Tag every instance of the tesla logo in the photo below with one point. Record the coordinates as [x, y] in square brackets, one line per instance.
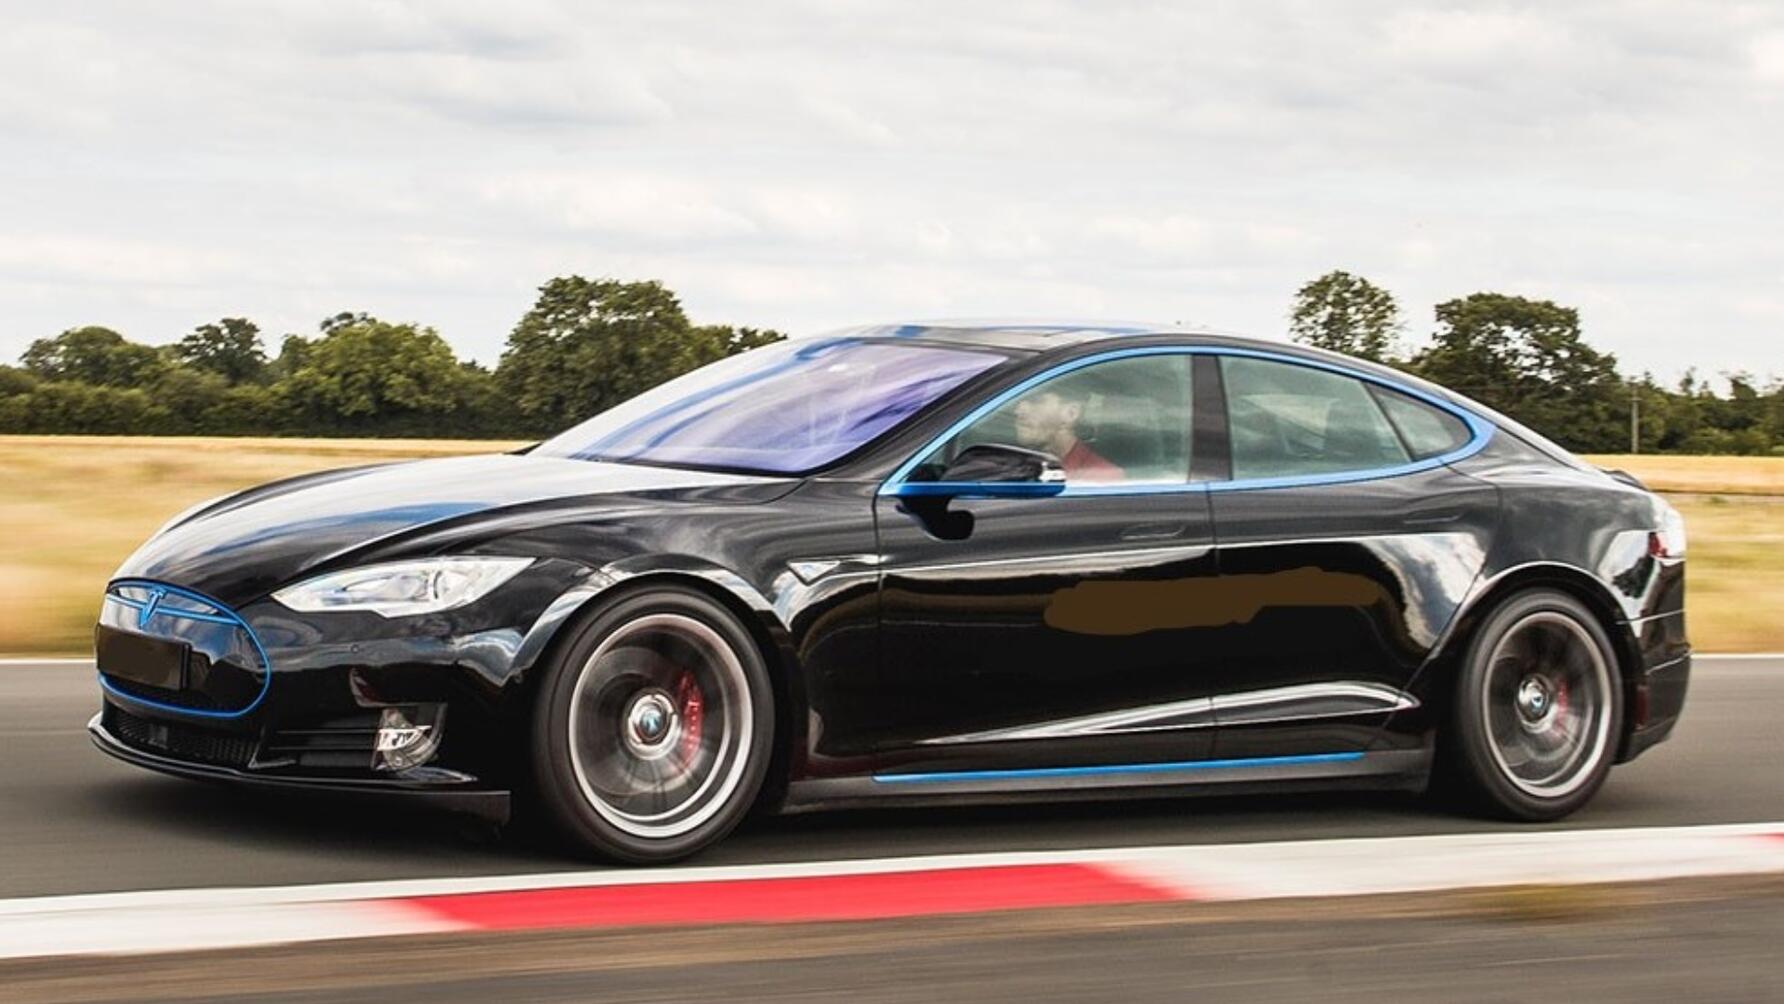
[148, 609]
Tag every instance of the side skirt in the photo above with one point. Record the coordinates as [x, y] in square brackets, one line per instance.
[1394, 770]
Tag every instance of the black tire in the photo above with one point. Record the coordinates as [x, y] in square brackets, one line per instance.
[652, 727]
[1538, 709]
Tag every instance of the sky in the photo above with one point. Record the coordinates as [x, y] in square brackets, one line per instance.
[805, 166]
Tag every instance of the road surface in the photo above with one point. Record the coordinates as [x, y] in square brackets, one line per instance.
[78, 821]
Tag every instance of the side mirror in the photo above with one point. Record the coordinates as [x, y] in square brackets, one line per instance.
[994, 470]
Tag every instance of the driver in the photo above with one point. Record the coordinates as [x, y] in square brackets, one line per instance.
[1048, 420]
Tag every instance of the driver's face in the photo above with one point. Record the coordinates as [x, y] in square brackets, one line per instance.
[1040, 418]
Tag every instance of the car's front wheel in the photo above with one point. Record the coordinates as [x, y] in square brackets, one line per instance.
[1538, 708]
[652, 728]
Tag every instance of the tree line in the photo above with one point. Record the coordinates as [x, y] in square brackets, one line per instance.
[1528, 359]
[587, 344]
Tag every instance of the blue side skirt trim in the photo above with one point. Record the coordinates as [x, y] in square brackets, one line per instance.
[1120, 768]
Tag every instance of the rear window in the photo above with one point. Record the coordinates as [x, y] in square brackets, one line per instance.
[1289, 420]
[1427, 431]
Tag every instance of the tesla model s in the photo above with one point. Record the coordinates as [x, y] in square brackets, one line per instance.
[917, 564]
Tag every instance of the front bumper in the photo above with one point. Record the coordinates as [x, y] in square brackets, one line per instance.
[443, 790]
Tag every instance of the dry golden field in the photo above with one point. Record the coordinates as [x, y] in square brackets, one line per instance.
[72, 507]
[1710, 475]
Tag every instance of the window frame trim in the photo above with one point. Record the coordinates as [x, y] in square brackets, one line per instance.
[1481, 431]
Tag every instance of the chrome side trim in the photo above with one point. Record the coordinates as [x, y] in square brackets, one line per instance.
[1197, 713]
[1311, 701]
[1303, 702]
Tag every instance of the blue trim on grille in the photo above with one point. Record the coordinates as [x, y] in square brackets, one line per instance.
[1118, 768]
[162, 611]
[1481, 429]
[227, 616]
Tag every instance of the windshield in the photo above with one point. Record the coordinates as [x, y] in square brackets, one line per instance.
[783, 408]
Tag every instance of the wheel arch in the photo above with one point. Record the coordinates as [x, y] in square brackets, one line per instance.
[1439, 674]
[616, 582]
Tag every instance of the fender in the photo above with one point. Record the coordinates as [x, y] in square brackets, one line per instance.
[1487, 590]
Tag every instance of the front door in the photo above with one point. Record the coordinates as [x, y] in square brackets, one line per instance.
[1038, 637]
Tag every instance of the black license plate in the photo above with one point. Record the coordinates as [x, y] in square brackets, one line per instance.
[152, 662]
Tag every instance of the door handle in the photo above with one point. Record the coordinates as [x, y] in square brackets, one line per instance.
[1153, 531]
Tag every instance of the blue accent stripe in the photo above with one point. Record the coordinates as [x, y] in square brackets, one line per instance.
[1481, 428]
[166, 611]
[1119, 768]
[227, 616]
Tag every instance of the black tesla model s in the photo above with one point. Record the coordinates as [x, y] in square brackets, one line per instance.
[923, 563]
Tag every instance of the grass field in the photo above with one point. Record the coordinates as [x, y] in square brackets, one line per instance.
[1709, 475]
[72, 507]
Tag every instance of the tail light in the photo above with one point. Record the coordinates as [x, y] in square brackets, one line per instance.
[1669, 540]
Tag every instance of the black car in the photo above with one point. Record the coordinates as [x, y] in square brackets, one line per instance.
[924, 563]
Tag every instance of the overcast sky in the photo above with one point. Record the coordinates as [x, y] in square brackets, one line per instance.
[809, 165]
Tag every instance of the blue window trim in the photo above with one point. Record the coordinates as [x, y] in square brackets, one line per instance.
[227, 616]
[1480, 429]
[1033, 773]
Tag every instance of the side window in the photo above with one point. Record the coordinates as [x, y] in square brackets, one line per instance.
[1289, 420]
[1426, 431]
[1125, 421]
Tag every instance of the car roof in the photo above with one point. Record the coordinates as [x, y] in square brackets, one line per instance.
[1042, 335]
[1033, 338]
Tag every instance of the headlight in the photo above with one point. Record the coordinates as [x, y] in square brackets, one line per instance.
[403, 588]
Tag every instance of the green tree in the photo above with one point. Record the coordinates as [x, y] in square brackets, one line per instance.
[343, 319]
[68, 407]
[230, 348]
[1346, 313]
[375, 378]
[1527, 359]
[294, 351]
[716, 341]
[588, 344]
[93, 355]
[15, 381]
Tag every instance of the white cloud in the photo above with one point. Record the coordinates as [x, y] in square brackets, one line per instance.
[803, 164]
[1768, 57]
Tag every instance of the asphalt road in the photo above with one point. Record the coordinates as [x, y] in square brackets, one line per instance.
[73, 820]
[1700, 940]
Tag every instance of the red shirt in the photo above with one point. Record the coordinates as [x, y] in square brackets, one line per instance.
[1085, 464]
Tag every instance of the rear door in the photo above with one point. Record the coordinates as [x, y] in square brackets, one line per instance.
[1346, 545]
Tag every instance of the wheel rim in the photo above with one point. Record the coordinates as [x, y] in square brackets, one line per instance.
[660, 720]
[1547, 700]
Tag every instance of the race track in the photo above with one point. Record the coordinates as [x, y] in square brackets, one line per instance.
[77, 821]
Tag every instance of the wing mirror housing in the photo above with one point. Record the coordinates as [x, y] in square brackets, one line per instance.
[993, 470]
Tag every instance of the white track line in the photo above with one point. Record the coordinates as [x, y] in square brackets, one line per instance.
[173, 919]
[88, 660]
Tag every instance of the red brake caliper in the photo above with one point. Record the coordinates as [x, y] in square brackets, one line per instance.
[687, 698]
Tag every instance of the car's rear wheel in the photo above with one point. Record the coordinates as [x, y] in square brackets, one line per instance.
[1538, 708]
[653, 727]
